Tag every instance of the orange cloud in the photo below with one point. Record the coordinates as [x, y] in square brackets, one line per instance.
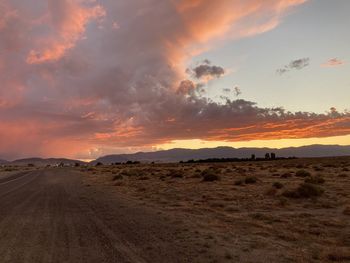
[69, 25]
[121, 90]
[205, 19]
[291, 129]
[204, 22]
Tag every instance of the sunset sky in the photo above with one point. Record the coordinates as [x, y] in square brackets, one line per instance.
[85, 78]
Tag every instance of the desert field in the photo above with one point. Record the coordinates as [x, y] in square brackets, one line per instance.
[270, 211]
[7, 171]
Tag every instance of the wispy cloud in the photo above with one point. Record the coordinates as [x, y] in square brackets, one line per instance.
[297, 64]
[333, 62]
[68, 20]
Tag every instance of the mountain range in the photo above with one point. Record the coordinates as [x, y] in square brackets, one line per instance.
[3, 161]
[41, 161]
[177, 155]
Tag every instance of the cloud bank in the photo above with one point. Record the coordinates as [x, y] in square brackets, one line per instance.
[74, 84]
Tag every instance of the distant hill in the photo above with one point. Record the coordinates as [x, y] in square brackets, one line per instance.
[44, 162]
[3, 161]
[176, 155]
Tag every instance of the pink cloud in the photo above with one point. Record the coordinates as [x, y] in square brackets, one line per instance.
[334, 62]
[68, 20]
[120, 88]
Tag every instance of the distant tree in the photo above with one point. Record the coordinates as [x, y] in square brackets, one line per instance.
[99, 164]
[267, 156]
[131, 162]
[253, 157]
[77, 164]
[273, 156]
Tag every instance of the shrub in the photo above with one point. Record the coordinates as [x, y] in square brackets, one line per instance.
[309, 190]
[302, 173]
[277, 185]
[330, 166]
[132, 162]
[209, 176]
[99, 164]
[239, 182]
[175, 174]
[305, 190]
[315, 180]
[117, 177]
[339, 256]
[347, 211]
[241, 170]
[318, 169]
[343, 175]
[282, 201]
[271, 192]
[250, 180]
[286, 175]
[131, 172]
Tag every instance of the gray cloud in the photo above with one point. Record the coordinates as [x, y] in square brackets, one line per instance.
[236, 91]
[207, 70]
[297, 64]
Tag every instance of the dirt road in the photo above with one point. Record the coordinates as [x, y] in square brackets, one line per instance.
[50, 216]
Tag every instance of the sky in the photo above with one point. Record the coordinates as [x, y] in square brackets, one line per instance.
[86, 78]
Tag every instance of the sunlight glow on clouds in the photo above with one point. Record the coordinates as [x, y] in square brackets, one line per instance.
[334, 62]
[68, 20]
[73, 85]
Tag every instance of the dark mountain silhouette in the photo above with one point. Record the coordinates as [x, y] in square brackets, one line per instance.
[3, 161]
[43, 162]
[176, 155]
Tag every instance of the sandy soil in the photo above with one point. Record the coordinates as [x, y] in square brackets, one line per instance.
[48, 215]
[278, 211]
[6, 171]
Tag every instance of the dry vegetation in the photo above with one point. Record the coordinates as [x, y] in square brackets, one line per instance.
[8, 170]
[280, 211]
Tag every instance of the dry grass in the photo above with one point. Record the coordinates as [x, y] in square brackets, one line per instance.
[8, 170]
[240, 211]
